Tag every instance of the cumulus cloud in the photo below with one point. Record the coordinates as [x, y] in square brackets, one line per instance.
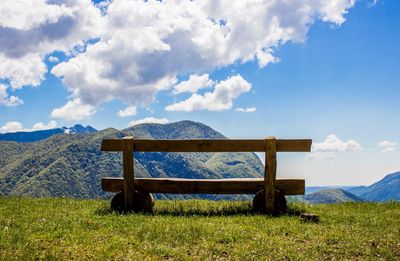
[128, 111]
[334, 11]
[387, 146]
[41, 126]
[250, 109]
[11, 126]
[15, 126]
[221, 98]
[145, 45]
[74, 110]
[193, 84]
[31, 29]
[26, 70]
[149, 120]
[6, 100]
[25, 15]
[266, 57]
[131, 50]
[332, 144]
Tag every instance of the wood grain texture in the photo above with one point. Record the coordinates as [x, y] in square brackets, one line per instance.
[270, 174]
[143, 203]
[128, 173]
[280, 203]
[252, 145]
[204, 186]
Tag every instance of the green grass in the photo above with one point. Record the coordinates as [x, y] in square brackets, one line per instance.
[86, 229]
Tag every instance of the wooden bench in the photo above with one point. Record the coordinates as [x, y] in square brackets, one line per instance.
[134, 193]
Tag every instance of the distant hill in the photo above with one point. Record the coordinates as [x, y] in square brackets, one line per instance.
[32, 136]
[72, 165]
[312, 189]
[331, 196]
[384, 190]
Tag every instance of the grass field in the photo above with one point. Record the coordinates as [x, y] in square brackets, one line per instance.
[87, 229]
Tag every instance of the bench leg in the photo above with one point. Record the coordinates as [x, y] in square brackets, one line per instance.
[143, 203]
[259, 203]
[129, 184]
[270, 175]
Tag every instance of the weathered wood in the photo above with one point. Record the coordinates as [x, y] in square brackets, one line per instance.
[204, 186]
[292, 145]
[128, 173]
[117, 144]
[143, 203]
[270, 174]
[280, 203]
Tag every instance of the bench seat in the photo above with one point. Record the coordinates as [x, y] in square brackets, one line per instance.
[203, 186]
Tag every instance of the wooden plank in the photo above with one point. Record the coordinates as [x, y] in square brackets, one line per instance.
[204, 186]
[270, 174]
[201, 145]
[196, 145]
[128, 173]
[122, 144]
[293, 145]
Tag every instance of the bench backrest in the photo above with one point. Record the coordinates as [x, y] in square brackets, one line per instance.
[254, 145]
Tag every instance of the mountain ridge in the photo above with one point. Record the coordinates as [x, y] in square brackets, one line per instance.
[388, 188]
[33, 136]
[331, 196]
[72, 165]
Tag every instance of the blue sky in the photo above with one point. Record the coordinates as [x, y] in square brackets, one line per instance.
[334, 78]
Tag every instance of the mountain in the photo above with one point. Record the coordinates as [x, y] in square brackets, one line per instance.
[77, 128]
[32, 136]
[72, 165]
[312, 189]
[384, 190]
[330, 196]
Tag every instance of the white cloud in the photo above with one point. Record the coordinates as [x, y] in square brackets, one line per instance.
[25, 15]
[266, 57]
[193, 84]
[15, 126]
[335, 10]
[149, 120]
[145, 45]
[220, 99]
[28, 69]
[6, 100]
[387, 146]
[142, 47]
[31, 29]
[11, 126]
[128, 111]
[250, 109]
[332, 144]
[74, 110]
[53, 59]
[41, 126]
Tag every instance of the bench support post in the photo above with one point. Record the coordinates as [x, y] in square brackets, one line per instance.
[270, 175]
[128, 172]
